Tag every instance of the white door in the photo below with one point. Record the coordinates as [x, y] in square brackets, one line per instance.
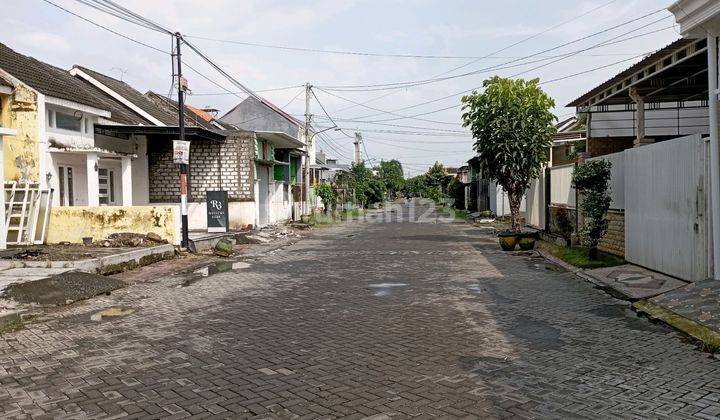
[66, 185]
[263, 193]
[106, 186]
[666, 208]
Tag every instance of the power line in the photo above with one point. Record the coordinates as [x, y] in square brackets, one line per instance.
[400, 126]
[406, 84]
[394, 112]
[256, 91]
[498, 51]
[105, 27]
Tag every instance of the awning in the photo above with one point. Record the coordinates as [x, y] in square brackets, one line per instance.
[271, 162]
[97, 150]
[191, 133]
[677, 72]
[280, 140]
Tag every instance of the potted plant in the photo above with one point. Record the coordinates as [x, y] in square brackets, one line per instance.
[512, 124]
[527, 240]
[508, 240]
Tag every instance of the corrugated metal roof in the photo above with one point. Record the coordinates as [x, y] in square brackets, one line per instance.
[680, 43]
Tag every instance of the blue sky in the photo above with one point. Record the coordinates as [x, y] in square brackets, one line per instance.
[418, 27]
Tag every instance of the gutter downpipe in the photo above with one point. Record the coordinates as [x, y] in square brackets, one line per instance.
[714, 150]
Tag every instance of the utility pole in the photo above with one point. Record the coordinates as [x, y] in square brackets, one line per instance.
[358, 140]
[181, 125]
[308, 143]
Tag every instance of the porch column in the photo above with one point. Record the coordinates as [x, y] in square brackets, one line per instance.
[93, 183]
[713, 74]
[127, 192]
[640, 129]
[3, 225]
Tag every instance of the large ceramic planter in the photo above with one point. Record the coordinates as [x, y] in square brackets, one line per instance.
[508, 240]
[527, 243]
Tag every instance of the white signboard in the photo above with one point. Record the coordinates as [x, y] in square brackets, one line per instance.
[181, 152]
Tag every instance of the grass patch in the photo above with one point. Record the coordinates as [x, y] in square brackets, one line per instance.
[578, 257]
[321, 219]
[351, 214]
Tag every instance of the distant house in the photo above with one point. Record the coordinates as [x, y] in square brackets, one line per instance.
[280, 177]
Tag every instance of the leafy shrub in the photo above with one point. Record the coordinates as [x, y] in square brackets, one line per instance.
[592, 180]
[327, 195]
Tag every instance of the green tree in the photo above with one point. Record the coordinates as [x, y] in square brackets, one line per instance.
[436, 181]
[327, 195]
[376, 191]
[513, 127]
[415, 186]
[456, 191]
[367, 187]
[592, 180]
[391, 174]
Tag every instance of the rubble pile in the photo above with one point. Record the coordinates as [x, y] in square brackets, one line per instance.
[129, 239]
[268, 234]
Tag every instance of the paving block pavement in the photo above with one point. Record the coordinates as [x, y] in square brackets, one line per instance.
[371, 319]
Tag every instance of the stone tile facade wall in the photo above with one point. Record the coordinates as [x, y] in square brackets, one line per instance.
[214, 165]
[614, 240]
[606, 146]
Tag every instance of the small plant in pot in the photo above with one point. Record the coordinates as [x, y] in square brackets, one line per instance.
[527, 240]
[508, 240]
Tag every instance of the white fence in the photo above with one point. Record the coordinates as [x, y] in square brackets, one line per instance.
[535, 202]
[561, 190]
[666, 224]
[617, 179]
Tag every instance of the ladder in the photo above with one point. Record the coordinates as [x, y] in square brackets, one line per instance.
[23, 205]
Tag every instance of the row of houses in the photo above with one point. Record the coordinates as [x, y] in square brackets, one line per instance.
[657, 122]
[101, 154]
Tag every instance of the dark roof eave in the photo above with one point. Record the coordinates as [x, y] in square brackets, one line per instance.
[191, 133]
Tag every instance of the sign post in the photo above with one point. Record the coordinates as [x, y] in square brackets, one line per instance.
[217, 211]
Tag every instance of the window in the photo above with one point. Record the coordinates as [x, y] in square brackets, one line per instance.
[67, 121]
[106, 182]
[65, 176]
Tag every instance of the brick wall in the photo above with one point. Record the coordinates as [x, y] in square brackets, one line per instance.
[614, 240]
[224, 165]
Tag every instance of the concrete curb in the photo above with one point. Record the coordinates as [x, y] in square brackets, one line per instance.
[108, 264]
[579, 272]
[708, 337]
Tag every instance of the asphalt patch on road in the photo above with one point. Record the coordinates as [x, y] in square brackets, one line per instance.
[625, 314]
[536, 333]
[63, 288]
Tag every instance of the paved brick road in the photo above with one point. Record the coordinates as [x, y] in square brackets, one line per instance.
[373, 319]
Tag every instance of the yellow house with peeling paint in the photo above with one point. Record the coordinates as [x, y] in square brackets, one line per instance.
[19, 110]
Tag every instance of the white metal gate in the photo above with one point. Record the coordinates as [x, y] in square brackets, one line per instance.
[666, 207]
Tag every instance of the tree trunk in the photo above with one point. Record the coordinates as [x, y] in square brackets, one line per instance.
[515, 198]
[593, 253]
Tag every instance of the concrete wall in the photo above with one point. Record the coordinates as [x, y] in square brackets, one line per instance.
[242, 215]
[614, 240]
[21, 152]
[73, 223]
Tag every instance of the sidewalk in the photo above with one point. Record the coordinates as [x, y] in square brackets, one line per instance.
[692, 308]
